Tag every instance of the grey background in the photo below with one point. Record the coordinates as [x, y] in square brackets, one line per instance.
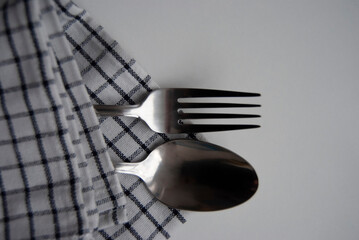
[303, 56]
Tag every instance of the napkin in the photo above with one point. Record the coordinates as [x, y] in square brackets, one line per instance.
[57, 175]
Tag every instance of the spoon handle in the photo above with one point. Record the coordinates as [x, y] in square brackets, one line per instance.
[128, 168]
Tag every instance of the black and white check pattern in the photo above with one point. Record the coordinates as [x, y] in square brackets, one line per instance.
[57, 175]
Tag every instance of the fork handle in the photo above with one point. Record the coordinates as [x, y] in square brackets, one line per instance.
[115, 110]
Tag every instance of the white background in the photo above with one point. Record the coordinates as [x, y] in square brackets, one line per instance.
[303, 57]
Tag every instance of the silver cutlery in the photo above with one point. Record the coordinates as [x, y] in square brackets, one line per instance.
[195, 175]
[163, 111]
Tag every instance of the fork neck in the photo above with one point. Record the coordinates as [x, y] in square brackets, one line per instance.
[114, 110]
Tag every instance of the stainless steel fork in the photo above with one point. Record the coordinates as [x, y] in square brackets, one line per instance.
[164, 113]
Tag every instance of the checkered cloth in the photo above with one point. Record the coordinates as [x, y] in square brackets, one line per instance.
[57, 177]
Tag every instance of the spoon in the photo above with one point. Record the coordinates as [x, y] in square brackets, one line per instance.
[195, 175]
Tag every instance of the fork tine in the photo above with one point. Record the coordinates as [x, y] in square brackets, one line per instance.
[215, 115]
[194, 128]
[215, 105]
[197, 92]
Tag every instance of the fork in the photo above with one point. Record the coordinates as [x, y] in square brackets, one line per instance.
[163, 111]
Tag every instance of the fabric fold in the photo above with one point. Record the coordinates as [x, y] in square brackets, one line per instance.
[54, 160]
[57, 174]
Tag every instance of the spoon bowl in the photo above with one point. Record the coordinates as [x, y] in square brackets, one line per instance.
[195, 175]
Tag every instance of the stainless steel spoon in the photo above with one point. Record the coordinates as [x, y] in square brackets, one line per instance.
[195, 175]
